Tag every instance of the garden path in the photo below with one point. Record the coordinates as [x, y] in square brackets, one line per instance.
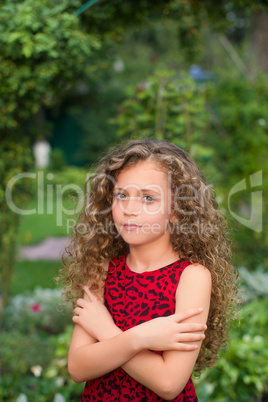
[50, 249]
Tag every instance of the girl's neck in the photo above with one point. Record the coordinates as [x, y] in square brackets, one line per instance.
[149, 257]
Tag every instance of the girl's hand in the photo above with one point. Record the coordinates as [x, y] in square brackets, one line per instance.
[168, 333]
[93, 316]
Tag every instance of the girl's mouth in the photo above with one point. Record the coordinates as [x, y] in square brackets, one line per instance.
[131, 226]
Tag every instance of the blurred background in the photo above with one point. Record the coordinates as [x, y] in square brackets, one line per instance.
[77, 78]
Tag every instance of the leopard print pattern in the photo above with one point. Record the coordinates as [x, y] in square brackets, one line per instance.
[133, 298]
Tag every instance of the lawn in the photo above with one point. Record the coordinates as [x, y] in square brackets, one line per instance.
[34, 229]
[27, 275]
[37, 227]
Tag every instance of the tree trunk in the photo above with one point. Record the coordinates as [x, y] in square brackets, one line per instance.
[259, 40]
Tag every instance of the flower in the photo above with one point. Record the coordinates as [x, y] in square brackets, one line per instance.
[36, 308]
[36, 370]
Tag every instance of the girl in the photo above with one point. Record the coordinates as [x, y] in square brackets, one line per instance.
[150, 262]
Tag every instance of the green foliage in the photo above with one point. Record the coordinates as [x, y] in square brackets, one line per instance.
[70, 175]
[254, 284]
[39, 370]
[15, 158]
[241, 372]
[238, 133]
[58, 368]
[40, 311]
[43, 49]
[57, 160]
[192, 16]
[22, 350]
[240, 122]
[19, 354]
[34, 346]
[166, 106]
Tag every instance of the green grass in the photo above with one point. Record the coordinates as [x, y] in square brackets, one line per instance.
[27, 275]
[46, 221]
[35, 228]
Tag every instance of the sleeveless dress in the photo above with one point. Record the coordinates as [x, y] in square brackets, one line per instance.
[133, 298]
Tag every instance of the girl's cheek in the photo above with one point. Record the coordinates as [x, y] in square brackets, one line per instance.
[156, 209]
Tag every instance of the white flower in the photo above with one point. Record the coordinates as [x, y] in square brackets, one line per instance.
[59, 398]
[62, 362]
[59, 382]
[36, 370]
[22, 398]
[246, 338]
[119, 66]
[258, 339]
[262, 122]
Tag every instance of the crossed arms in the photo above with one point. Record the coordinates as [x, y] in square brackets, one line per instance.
[98, 346]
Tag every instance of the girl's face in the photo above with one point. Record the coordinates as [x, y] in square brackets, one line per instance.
[142, 203]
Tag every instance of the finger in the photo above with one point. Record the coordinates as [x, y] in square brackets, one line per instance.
[185, 347]
[191, 327]
[190, 337]
[90, 294]
[87, 293]
[77, 311]
[82, 302]
[75, 319]
[187, 314]
[189, 348]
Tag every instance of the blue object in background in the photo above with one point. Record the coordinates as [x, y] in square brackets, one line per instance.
[198, 74]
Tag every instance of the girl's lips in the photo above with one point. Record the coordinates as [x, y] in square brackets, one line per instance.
[131, 226]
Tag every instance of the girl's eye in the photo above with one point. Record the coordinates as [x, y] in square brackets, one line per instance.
[122, 196]
[149, 198]
[119, 196]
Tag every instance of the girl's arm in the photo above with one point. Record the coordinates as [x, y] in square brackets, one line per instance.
[167, 375]
[88, 359]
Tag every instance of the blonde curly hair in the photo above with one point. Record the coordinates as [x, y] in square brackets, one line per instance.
[89, 249]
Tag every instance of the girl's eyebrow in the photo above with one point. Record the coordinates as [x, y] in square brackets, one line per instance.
[144, 190]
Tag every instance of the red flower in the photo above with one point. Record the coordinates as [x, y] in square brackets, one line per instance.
[36, 308]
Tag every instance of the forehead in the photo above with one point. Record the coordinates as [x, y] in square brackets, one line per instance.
[143, 174]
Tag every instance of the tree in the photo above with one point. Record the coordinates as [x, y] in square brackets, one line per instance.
[259, 39]
[43, 49]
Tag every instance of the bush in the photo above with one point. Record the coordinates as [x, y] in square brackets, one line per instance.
[241, 372]
[33, 356]
[35, 366]
[41, 310]
[70, 175]
[22, 356]
[253, 284]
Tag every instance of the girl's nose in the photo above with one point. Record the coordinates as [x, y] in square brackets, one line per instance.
[132, 206]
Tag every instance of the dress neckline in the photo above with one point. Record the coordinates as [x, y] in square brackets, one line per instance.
[148, 272]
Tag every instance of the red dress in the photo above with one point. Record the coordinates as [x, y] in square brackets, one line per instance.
[133, 298]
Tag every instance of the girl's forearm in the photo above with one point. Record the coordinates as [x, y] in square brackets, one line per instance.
[95, 360]
[146, 367]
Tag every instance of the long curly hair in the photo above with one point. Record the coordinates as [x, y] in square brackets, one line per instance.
[204, 238]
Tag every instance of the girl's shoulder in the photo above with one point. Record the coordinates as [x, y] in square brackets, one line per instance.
[116, 262]
[106, 265]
